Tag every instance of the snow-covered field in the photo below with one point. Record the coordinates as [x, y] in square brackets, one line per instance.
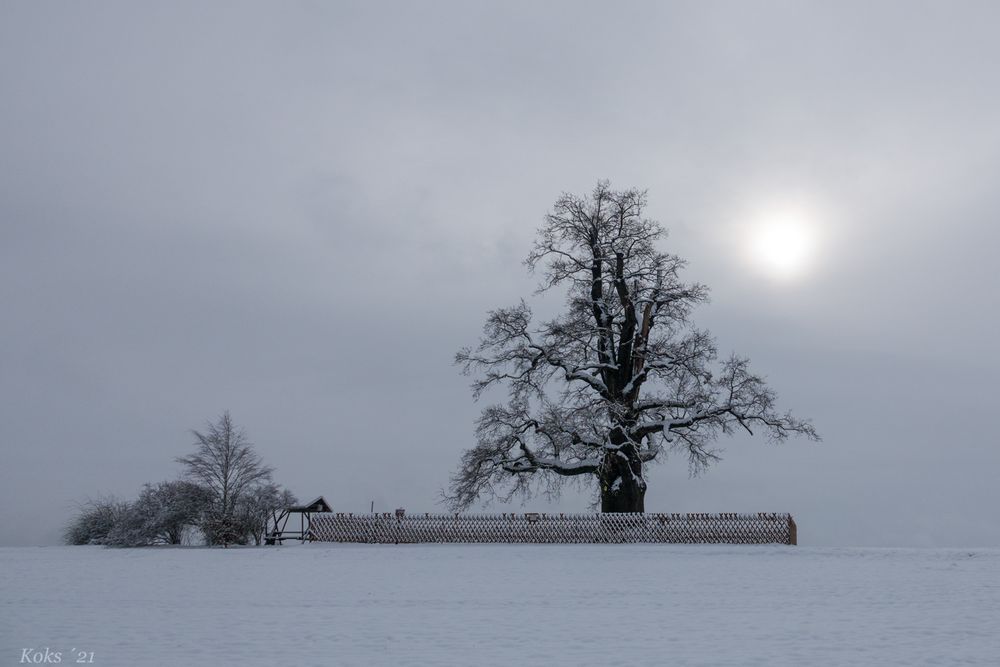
[325, 604]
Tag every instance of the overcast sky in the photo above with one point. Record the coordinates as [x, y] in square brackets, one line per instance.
[299, 212]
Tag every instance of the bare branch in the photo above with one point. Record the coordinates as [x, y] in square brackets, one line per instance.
[620, 376]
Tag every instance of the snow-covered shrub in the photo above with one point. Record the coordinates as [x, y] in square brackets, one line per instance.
[256, 507]
[159, 515]
[166, 508]
[130, 529]
[95, 521]
[222, 528]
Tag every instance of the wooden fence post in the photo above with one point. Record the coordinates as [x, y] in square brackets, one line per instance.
[793, 531]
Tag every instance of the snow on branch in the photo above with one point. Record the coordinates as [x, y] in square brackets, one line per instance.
[616, 379]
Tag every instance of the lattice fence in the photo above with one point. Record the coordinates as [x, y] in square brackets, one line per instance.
[761, 528]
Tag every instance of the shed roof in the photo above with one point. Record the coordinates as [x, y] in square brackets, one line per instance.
[317, 505]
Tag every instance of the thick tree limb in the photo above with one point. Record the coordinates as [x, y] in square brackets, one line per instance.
[617, 378]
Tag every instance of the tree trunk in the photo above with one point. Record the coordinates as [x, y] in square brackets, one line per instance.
[623, 488]
[624, 498]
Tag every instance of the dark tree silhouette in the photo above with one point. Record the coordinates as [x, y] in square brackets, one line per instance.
[616, 380]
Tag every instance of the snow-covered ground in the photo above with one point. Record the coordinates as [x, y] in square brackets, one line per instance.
[325, 604]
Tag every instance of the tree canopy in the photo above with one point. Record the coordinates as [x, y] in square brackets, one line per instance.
[618, 379]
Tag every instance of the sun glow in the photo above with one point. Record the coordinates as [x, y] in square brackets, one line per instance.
[783, 242]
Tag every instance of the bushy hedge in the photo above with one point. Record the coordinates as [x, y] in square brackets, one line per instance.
[161, 513]
[96, 520]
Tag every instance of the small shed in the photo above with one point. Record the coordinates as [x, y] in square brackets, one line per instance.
[278, 529]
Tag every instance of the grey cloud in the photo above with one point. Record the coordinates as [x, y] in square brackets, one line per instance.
[298, 213]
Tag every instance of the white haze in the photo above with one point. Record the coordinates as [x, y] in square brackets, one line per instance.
[299, 212]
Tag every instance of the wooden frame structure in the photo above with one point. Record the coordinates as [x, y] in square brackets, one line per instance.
[278, 524]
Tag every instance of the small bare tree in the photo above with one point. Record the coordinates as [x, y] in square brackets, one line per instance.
[614, 382]
[256, 508]
[225, 463]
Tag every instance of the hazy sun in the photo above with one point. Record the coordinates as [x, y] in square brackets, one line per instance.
[783, 242]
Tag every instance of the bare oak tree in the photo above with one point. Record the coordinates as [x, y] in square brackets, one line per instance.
[618, 379]
[226, 463]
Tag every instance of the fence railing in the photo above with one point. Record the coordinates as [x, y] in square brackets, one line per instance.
[387, 528]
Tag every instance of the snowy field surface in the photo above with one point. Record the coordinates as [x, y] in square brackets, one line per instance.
[326, 604]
